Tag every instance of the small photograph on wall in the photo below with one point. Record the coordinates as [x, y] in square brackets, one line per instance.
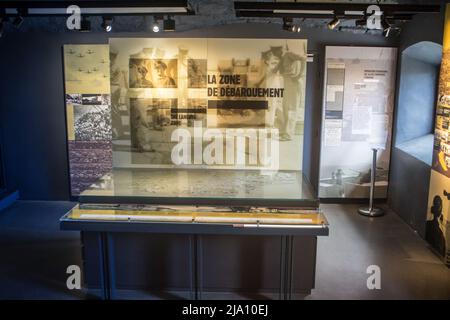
[92, 122]
[86, 69]
[73, 99]
[197, 72]
[92, 99]
[89, 161]
[153, 73]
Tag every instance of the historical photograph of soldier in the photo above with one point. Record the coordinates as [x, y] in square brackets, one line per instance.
[153, 73]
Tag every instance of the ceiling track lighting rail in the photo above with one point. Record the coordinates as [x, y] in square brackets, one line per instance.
[98, 7]
[299, 8]
[334, 12]
[259, 14]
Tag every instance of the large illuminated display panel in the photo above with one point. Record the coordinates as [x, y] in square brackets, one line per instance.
[206, 118]
[438, 225]
[357, 116]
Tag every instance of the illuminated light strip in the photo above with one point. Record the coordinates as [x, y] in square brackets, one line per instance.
[355, 13]
[191, 219]
[304, 11]
[280, 226]
[129, 217]
[255, 220]
[319, 12]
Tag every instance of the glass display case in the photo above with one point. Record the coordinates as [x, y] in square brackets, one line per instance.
[179, 143]
[188, 122]
[197, 186]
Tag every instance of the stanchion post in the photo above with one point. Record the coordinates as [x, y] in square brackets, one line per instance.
[372, 211]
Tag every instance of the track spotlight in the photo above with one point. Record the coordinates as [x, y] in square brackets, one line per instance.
[288, 25]
[361, 23]
[295, 28]
[169, 24]
[387, 28]
[107, 24]
[155, 25]
[17, 22]
[385, 23]
[85, 25]
[334, 23]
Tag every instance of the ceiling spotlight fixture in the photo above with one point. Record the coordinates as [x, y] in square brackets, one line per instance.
[169, 24]
[288, 25]
[361, 23]
[387, 28]
[85, 25]
[155, 25]
[17, 22]
[334, 23]
[287, 22]
[295, 28]
[107, 24]
[18, 19]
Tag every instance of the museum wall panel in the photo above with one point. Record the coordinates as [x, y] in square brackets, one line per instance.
[357, 117]
[88, 114]
[35, 135]
[438, 216]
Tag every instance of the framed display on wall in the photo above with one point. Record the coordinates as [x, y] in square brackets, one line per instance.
[357, 116]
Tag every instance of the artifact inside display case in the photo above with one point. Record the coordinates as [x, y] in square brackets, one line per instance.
[201, 119]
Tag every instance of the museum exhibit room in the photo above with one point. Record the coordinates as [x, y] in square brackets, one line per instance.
[225, 150]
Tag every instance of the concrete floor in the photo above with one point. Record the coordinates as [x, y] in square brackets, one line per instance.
[35, 255]
[409, 269]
